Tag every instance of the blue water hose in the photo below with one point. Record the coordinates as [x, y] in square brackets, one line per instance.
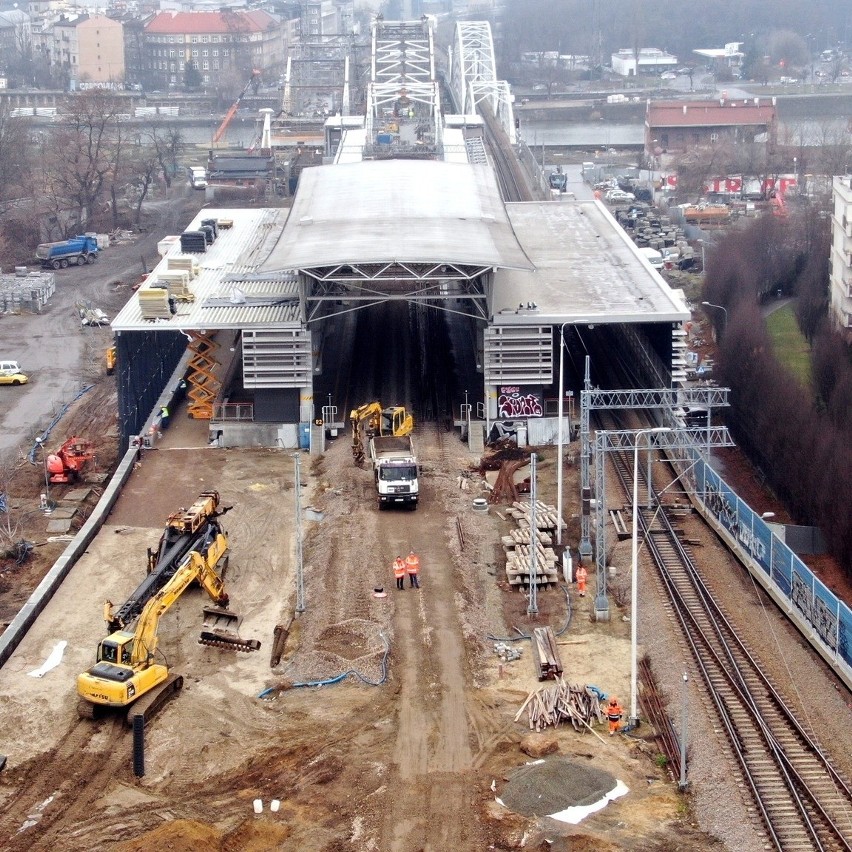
[31, 455]
[341, 677]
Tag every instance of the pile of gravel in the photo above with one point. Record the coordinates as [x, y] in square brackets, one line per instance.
[552, 785]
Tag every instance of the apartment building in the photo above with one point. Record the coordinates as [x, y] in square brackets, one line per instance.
[87, 48]
[211, 43]
[841, 255]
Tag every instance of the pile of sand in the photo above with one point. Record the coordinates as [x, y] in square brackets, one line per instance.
[552, 785]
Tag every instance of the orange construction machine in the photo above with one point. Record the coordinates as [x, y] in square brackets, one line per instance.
[66, 463]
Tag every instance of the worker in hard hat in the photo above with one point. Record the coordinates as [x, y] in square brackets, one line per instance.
[581, 576]
[613, 715]
[412, 566]
[399, 572]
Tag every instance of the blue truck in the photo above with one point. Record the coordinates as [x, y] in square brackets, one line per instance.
[76, 252]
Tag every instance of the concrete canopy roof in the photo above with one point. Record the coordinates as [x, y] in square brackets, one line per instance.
[587, 269]
[403, 211]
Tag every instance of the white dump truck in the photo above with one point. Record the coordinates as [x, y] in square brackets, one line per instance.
[395, 469]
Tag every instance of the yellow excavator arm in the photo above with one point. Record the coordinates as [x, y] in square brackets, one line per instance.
[194, 567]
[126, 669]
[393, 420]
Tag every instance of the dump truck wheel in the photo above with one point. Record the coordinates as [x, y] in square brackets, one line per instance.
[63, 263]
[55, 264]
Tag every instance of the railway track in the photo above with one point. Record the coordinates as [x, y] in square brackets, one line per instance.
[513, 185]
[803, 802]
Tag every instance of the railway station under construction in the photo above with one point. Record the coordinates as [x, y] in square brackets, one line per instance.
[243, 303]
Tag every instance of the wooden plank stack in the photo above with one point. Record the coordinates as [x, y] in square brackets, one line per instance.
[559, 702]
[546, 654]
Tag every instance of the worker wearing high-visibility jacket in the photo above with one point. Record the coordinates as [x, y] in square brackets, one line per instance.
[412, 566]
[613, 715]
[399, 572]
[581, 576]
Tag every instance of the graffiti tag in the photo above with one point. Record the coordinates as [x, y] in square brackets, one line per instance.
[517, 405]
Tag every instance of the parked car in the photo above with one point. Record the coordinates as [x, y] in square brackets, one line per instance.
[10, 374]
[618, 196]
[668, 75]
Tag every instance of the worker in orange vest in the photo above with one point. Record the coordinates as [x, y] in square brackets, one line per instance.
[581, 576]
[613, 715]
[412, 565]
[399, 572]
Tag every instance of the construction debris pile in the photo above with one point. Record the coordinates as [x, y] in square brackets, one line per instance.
[25, 290]
[510, 461]
[553, 785]
[506, 652]
[560, 702]
[90, 316]
[518, 545]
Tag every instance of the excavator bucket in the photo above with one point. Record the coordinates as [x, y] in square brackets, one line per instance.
[220, 630]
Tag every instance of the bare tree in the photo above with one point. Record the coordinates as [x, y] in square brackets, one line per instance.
[13, 518]
[167, 143]
[15, 151]
[86, 149]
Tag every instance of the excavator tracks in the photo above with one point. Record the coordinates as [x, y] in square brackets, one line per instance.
[152, 702]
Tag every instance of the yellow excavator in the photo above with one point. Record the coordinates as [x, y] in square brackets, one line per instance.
[125, 676]
[371, 419]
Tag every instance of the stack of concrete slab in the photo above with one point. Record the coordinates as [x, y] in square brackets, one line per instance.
[25, 291]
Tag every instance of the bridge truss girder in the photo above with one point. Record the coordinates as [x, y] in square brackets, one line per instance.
[473, 75]
[403, 52]
[473, 62]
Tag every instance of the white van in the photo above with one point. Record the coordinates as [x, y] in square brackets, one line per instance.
[9, 368]
[197, 177]
[653, 257]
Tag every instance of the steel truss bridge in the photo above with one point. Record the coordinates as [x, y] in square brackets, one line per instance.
[473, 75]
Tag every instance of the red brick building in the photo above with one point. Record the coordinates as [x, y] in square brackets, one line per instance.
[212, 43]
[675, 127]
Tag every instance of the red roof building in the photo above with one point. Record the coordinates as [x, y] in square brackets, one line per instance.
[675, 127]
[211, 43]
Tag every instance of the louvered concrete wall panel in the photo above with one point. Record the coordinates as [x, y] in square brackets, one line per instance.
[518, 355]
[277, 358]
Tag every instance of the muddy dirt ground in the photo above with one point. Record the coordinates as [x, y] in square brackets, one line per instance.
[405, 755]
[405, 764]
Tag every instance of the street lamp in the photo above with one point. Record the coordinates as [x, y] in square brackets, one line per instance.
[682, 784]
[560, 435]
[634, 573]
[721, 308]
[40, 442]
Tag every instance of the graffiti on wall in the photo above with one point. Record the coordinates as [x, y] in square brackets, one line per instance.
[815, 610]
[726, 511]
[513, 401]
